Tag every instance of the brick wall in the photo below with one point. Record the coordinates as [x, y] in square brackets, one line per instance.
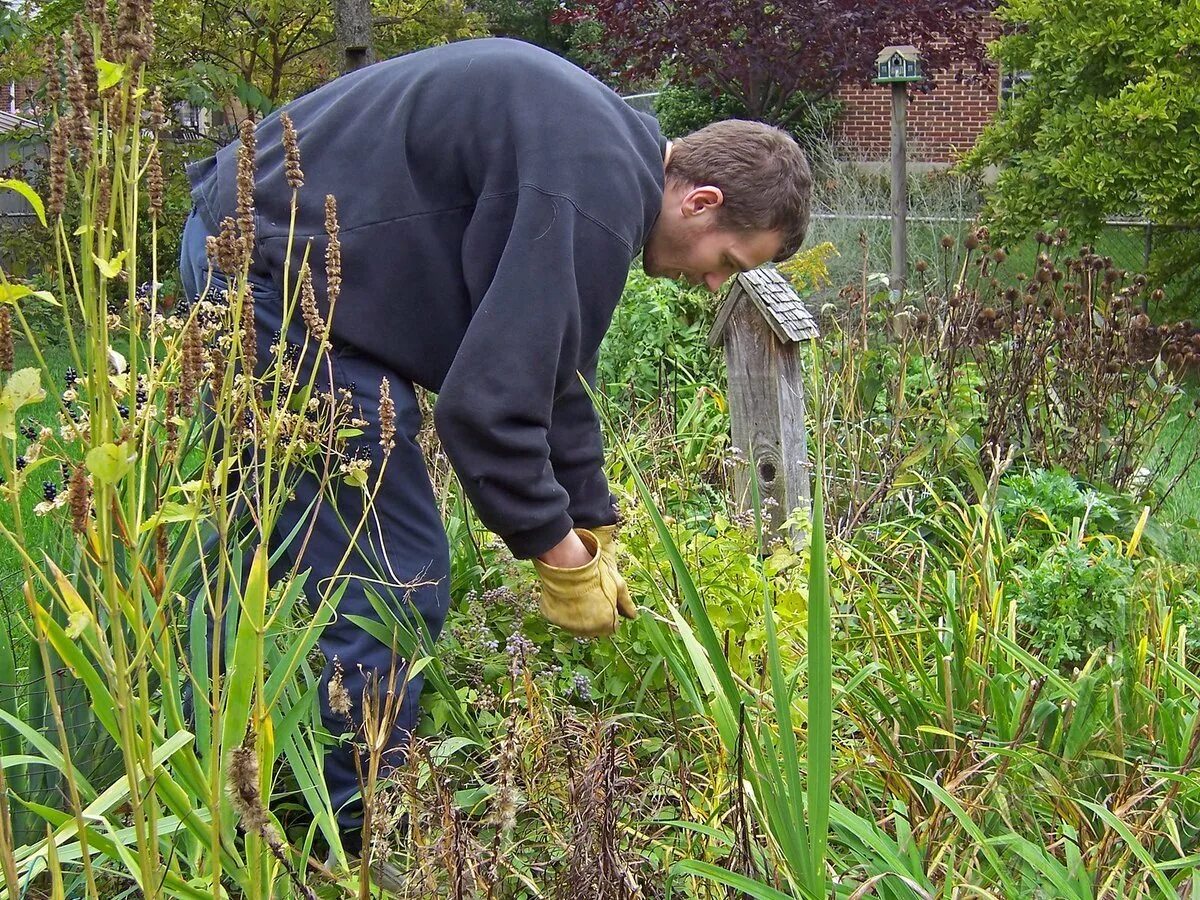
[16, 97]
[941, 124]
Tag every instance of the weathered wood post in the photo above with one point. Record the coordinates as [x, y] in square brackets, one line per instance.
[761, 324]
[898, 66]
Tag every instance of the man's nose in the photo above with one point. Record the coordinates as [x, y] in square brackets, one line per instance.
[713, 281]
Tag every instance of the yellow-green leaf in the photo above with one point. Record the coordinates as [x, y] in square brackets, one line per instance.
[110, 268]
[29, 194]
[23, 387]
[171, 511]
[11, 293]
[109, 463]
[110, 73]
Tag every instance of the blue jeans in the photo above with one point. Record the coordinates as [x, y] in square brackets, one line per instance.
[403, 542]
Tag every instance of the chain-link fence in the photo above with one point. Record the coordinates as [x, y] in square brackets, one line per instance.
[1167, 254]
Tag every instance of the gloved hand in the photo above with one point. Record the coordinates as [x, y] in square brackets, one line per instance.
[606, 535]
[584, 600]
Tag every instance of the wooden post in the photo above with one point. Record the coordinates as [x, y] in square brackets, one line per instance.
[899, 275]
[766, 405]
[352, 30]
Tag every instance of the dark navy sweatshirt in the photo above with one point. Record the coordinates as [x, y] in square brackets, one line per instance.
[491, 198]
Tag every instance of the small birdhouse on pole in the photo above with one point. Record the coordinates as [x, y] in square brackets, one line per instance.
[761, 323]
[899, 66]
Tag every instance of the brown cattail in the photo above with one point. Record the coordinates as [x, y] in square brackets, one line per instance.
[387, 417]
[308, 306]
[103, 195]
[245, 189]
[58, 167]
[6, 339]
[249, 333]
[53, 76]
[333, 253]
[291, 151]
[81, 499]
[155, 182]
[191, 365]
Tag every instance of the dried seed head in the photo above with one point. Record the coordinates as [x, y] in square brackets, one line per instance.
[81, 121]
[387, 417]
[249, 333]
[155, 182]
[86, 49]
[340, 703]
[54, 77]
[128, 33]
[216, 377]
[145, 38]
[169, 415]
[58, 167]
[291, 150]
[921, 265]
[158, 115]
[81, 499]
[6, 339]
[228, 255]
[243, 789]
[333, 253]
[192, 364]
[104, 194]
[245, 188]
[947, 242]
[308, 307]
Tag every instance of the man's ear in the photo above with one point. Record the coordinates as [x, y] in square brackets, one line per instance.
[701, 199]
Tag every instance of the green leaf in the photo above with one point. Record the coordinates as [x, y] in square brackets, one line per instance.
[109, 463]
[29, 194]
[23, 387]
[730, 879]
[110, 74]
[110, 268]
[11, 293]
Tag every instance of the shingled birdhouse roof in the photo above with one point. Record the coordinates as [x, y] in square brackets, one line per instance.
[776, 301]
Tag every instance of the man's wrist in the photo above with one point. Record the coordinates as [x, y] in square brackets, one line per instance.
[569, 553]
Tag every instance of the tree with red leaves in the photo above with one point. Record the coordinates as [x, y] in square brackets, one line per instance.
[764, 53]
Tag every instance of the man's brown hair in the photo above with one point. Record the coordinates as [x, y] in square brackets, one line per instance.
[761, 171]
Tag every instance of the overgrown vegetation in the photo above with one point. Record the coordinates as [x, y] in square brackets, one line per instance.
[970, 667]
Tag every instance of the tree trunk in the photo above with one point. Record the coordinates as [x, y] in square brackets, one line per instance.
[352, 28]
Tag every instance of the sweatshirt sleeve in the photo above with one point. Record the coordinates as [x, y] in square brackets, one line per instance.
[577, 453]
[544, 298]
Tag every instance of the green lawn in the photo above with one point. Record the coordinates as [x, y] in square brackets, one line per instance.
[1181, 512]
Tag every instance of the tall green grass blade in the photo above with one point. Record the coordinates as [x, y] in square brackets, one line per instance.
[720, 875]
[1134, 845]
[820, 681]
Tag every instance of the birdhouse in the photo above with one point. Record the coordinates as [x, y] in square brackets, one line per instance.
[761, 324]
[898, 64]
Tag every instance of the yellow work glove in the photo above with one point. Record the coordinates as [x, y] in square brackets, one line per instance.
[606, 535]
[583, 600]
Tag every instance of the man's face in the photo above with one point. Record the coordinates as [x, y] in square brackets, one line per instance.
[688, 244]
